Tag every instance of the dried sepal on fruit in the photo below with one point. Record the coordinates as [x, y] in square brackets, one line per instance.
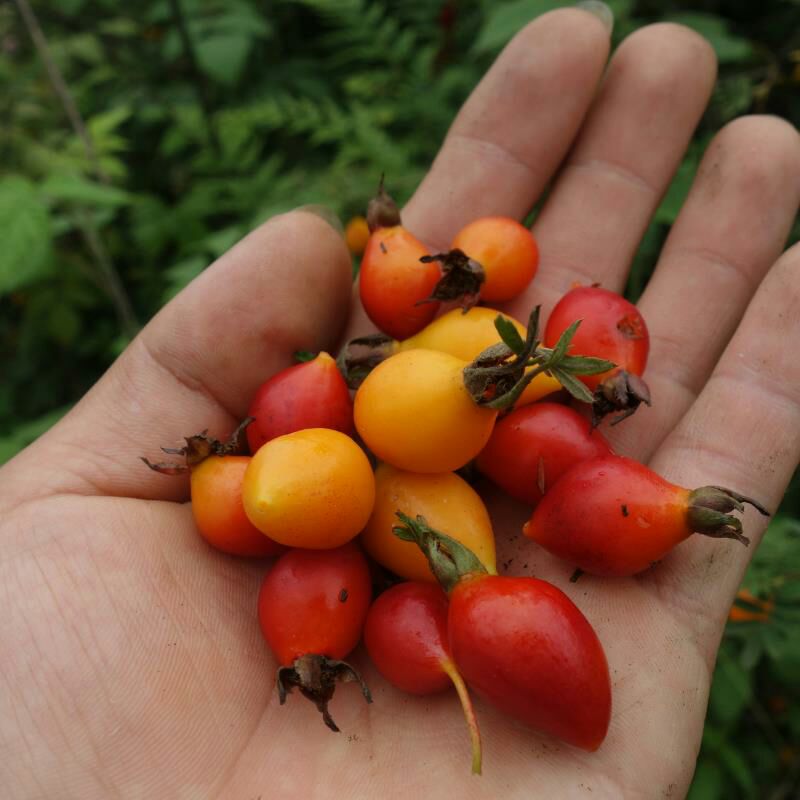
[199, 447]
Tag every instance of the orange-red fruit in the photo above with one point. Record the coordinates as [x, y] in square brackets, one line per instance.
[219, 512]
[611, 328]
[611, 516]
[315, 601]
[506, 250]
[393, 282]
[309, 395]
[533, 446]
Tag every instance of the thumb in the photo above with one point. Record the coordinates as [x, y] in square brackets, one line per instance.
[196, 365]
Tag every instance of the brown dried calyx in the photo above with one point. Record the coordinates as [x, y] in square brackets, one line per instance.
[316, 677]
[199, 447]
[709, 512]
[462, 278]
[382, 211]
[623, 391]
[361, 355]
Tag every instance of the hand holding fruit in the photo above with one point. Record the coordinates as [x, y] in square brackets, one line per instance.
[136, 662]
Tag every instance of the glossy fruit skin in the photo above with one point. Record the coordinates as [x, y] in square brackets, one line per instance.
[446, 501]
[466, 336]
[392, 280]
[356, 234]
[414, 412]
[406, 637]
[309, 395]
[315, 601]
[611, 328]
[611, 516]
[536, 445]
[526, 648]
[218, 511]
[506, 250]
[312, 488]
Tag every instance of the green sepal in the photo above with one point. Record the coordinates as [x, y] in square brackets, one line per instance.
[449, 559]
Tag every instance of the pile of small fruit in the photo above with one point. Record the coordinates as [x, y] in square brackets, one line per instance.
[461, 391]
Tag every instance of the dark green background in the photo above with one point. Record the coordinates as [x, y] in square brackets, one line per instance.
[278, 103]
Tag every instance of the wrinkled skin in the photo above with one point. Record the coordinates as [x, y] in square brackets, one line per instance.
[131, 659]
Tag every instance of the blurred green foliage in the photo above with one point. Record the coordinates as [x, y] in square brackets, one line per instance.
[205, 117]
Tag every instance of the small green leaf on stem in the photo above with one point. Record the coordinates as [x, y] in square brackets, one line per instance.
[509, 334]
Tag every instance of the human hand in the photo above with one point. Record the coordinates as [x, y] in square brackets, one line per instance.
[130, 650]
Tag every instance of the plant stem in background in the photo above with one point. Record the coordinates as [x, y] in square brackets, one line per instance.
[201, 85]
[109, 277]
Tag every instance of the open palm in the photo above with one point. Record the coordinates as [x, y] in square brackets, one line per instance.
[131, 659]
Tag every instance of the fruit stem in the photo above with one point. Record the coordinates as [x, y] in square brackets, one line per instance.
[708, 512]
[449, 560]
[382, 211]
[469, 713]
[500, 374]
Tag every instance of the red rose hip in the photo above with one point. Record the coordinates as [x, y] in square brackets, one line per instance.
[614, 516]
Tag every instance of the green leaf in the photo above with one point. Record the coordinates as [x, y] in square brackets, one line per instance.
[586, 365]
[75, 189]
[223, 56]
[734, 762]
[728, 47]
[27, 238]
[577, 389]
[731, 691]
[64, 324]
[708, 783]
[509, 334]
[563, 343]
[506, 19]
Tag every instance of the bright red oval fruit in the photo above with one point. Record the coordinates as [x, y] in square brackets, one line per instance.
[406, 638]
[309, 395]
[311, 608]
[533, 446]
[611, 328]
[613, 516]
[315, 601]
[523, 645]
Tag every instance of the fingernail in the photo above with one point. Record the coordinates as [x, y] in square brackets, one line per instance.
[600, 10]
[326, 213]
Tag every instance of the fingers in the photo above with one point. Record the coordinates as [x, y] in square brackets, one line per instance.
[658, 84]
[515, 129]
[743, 433]
[284, 287]
[731, 230]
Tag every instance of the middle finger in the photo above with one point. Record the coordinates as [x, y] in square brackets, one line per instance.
[657, 86]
